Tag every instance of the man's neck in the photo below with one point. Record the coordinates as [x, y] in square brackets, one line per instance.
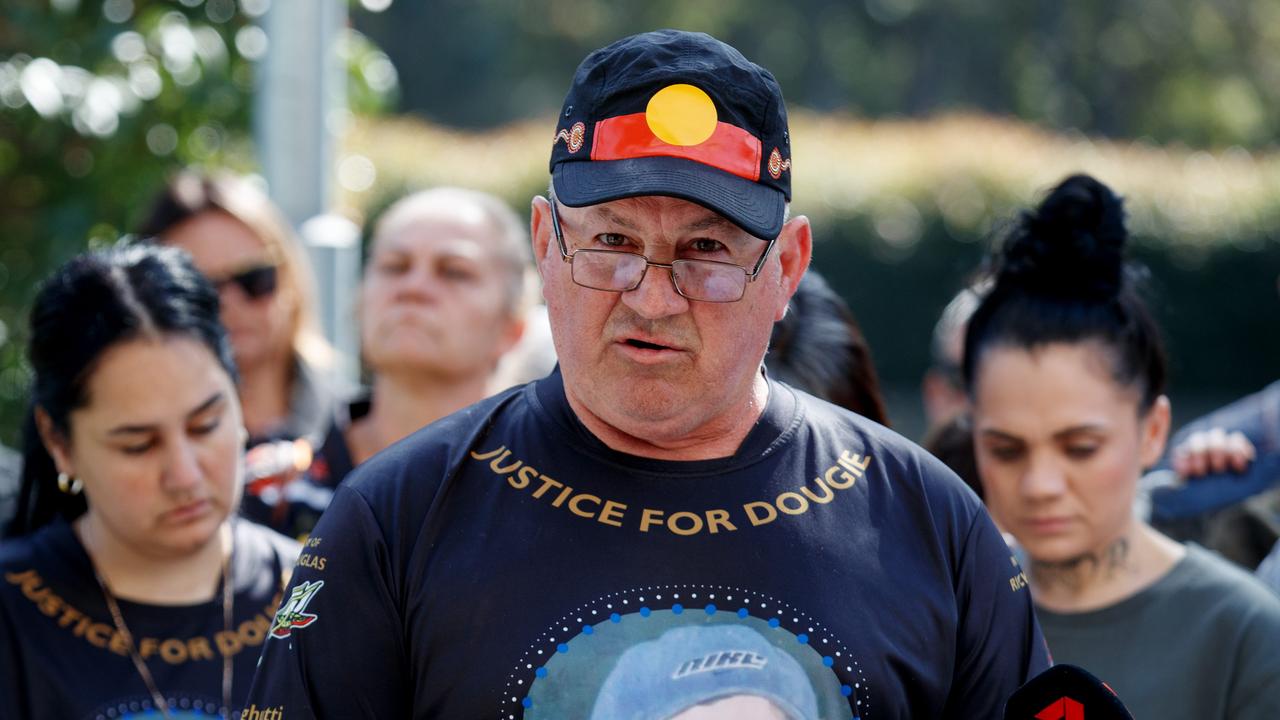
[718, 437]
[404, 403]
[135, 575]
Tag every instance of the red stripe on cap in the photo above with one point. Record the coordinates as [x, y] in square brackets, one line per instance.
[730, 148]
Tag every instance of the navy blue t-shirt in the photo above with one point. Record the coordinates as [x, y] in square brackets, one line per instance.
[62, 656]
[504, 562]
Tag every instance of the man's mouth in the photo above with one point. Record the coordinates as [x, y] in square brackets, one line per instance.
[646, 345]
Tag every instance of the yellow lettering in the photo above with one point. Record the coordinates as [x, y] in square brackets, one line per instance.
[673, 523]
[147, 647]
[547, 483]
[51, 605]
[227, 642]
[825, 498]
[561, 497]
[769, 513]
[486, 456]
[98, 634]
[845, 483]
[253, 632]
[314, 562]
[575, 505]
[648, 517]
[82, 626]
[16, 578]
[69, 615]
[717, 519]
[493, 464]
[852, 463]
[611, 513]
[801, 505]
[119, 643]
[34, 592]
[526, 475]
[173, 651]
[198, 649]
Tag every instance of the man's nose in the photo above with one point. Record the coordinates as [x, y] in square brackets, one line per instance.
[656, 296]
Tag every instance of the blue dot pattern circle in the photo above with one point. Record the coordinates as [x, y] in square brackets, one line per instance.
[619, 605]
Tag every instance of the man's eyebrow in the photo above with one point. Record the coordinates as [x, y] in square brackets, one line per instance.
[613, 217]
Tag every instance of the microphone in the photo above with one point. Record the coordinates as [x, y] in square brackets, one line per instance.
[1065, 692]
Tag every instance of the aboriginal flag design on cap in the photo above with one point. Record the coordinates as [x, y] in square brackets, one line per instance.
[679, 114]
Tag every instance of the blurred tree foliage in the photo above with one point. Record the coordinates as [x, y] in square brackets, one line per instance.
[99, 101]
[1204, 72]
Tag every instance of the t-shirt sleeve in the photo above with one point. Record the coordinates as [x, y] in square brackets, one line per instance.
[335, 648]
[999, 646]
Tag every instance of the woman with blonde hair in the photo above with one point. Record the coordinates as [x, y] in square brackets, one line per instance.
[244, 245]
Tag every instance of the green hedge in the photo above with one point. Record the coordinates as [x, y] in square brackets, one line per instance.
[902, 211]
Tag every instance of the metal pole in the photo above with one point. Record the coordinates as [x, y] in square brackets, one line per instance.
[301, 93]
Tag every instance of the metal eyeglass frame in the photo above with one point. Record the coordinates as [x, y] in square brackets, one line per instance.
[567, 256]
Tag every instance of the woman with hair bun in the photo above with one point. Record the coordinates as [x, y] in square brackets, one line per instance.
[1066, 369]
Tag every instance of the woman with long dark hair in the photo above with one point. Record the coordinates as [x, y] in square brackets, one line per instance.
[130, 591]
[1066, 371]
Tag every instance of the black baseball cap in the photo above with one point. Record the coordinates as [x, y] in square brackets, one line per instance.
[679, 114]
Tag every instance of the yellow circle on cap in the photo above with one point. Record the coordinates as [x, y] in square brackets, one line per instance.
[681, 115]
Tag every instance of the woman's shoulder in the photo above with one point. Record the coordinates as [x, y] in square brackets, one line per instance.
[36, 548]
[262, 554]
[1206, 580]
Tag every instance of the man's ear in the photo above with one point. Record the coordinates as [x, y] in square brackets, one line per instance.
[55, 442]
[795, 249]
[540, 231]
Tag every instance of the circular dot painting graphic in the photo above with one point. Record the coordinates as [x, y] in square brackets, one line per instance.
[685, 651]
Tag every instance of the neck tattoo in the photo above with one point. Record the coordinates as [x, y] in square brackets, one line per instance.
[228, 604]
[1077, 573]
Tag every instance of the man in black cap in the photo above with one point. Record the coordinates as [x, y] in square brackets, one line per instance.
[486, 566]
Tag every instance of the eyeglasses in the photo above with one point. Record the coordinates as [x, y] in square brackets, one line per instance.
[621, 271]
[256, 282]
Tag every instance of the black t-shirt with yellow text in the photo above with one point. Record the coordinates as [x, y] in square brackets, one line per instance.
[61, 655]
[503, 562]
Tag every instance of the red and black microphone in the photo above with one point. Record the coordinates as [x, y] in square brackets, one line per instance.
[1065, 692]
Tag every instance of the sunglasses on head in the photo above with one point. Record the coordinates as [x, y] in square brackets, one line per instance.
[256, 282]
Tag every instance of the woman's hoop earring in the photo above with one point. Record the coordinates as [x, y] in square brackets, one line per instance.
[69, 485]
